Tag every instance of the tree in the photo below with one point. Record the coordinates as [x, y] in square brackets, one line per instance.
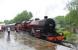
[6, 21]
[1, 22]
[72, 19]
[23, 16]
[73, 5]
[73, 8]
[60, 20]
[72, 16]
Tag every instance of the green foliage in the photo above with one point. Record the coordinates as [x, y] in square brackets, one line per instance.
[69, 22]
[69, 36]
[1, 22]
[73, 5]
[60, 20]
[22, 16]
[73, 14]
[72, 17]
[60, 29]
[6, 21]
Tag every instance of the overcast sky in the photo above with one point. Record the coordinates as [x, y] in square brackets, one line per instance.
[10, 8]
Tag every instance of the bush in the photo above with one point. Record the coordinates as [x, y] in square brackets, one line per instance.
[69, 36]
[60, 30]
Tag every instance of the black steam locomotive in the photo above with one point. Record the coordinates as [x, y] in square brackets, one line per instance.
[45, 29]
[42, 29]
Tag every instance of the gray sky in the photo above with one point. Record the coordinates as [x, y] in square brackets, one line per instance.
[10, 8]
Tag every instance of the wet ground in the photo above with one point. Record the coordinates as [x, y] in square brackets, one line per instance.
[23, 41]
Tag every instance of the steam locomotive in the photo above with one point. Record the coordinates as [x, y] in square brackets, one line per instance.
[43, 29]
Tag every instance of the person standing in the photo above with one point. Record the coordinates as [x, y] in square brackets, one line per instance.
[8, 30]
